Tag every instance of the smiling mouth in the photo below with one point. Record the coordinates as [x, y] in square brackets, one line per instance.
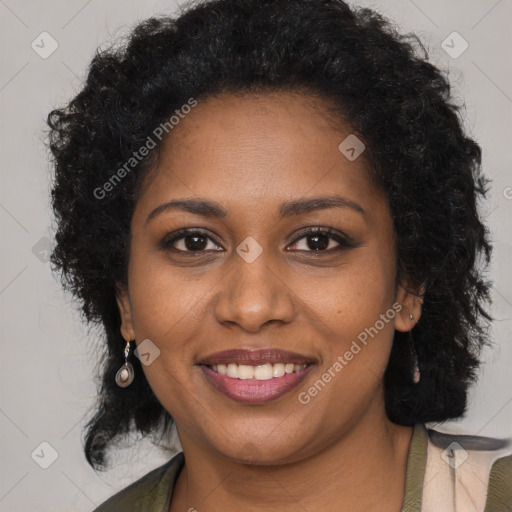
[255, 384]
[256, 376]
[257, 372]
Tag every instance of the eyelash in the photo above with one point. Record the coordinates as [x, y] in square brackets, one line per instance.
[343, 241]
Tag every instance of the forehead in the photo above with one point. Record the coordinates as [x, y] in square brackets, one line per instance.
[250, 148]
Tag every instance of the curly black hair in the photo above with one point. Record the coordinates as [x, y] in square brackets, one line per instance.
[380, 81]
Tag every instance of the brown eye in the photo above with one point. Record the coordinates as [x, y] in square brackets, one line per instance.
[317, 241]
[322, 240]
[189, 240]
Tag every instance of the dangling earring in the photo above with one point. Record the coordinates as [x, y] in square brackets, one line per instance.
[125, 374]
[416, 374]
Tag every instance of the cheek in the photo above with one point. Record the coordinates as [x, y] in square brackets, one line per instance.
[163, 297]
[165, 310]
[355, 311]
[354, 296]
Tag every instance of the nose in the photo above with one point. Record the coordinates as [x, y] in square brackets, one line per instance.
[252, 294]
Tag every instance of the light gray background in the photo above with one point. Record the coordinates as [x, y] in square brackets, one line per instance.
[48, 357]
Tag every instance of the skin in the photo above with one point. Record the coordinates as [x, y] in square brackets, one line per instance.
[250, 154]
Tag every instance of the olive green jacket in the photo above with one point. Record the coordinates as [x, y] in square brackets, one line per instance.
[445, 473]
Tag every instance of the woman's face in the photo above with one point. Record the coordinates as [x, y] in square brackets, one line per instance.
[253, 279]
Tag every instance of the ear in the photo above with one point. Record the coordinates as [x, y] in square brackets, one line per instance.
[125, 312]
[411, 302]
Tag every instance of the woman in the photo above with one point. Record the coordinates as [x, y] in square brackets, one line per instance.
[270, 206]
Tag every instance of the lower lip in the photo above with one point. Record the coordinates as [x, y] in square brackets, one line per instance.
[254, 391]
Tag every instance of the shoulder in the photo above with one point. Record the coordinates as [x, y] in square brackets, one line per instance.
[472, 472]
[150, 492]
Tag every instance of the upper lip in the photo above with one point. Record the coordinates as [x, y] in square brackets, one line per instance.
[254, 357]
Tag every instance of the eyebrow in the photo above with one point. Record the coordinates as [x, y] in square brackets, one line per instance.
[208, 208]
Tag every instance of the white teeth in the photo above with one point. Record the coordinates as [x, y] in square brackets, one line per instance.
[264, 372]
[232, 371]
[279, 370]
[259, 372]
[245, 372]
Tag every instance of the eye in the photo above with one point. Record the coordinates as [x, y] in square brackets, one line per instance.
[189, 240]
[315, 240]
[322, 240]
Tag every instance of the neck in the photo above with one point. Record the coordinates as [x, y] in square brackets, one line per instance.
[364, 469]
